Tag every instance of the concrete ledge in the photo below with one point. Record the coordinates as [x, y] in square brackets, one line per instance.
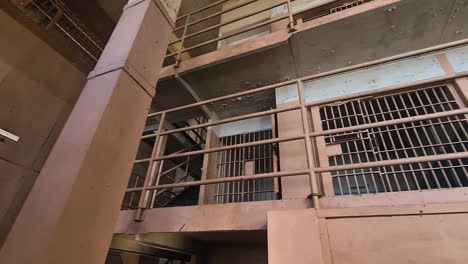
[217, 217]
[455, 195]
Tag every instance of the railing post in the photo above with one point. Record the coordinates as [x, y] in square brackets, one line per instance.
[290, 16]
[182, 40]
[152, 168]
[309, 150]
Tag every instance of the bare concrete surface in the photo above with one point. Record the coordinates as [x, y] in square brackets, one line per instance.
[216, 217]
[38, 88]
[347, 38]
[70, 213]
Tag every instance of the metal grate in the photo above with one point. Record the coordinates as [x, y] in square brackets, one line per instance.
[346, 6]
[423, 138]
[56, 12]
[251, 160]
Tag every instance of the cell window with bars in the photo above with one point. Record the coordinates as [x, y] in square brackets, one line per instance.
[246, 161]
[415, 139]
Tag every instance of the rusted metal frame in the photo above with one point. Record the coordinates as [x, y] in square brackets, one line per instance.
[179, 52]
[432, 158]
[229, 120]
[273, 20]
[232, 21]
[143, 202]
[212, 15]
[66, 33]
[315, 192]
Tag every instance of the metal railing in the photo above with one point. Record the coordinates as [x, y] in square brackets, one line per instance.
[307, 134]
[183, 30]
[58, 14]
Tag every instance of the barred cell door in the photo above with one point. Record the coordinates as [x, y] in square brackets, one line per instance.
[407, 140]
[246, 161]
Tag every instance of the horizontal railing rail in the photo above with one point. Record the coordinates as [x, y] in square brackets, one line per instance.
[290, 14]
[157, 157]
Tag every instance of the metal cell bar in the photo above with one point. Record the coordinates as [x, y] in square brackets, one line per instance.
[436, 134]
[308, 144]
[389, 182]
[429, 138]
[391, 122]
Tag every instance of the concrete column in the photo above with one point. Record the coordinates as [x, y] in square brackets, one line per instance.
[70, 214]
[292, 154]
[294, 237]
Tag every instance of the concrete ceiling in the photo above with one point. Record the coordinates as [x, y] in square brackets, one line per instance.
[113, 8]
[402, 27]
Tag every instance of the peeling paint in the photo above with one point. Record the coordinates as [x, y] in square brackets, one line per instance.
[243, 126]
[458, 58]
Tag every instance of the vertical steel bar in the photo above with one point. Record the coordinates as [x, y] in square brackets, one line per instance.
[397, 110]
[290, 15]
[424, 108]
[143, 203]
[182, 40]
[308, 142]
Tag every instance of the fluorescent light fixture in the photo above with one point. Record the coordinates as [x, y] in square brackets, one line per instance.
[8, 135]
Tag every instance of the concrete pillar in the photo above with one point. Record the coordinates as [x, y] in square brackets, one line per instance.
[294, 237]
[70, 214]
[292, 154]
